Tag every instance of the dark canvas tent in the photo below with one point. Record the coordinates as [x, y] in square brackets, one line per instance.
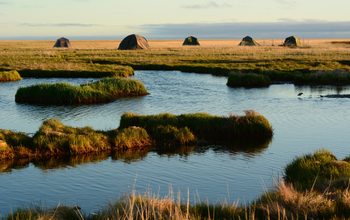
[133, 42]
[191, 41]
[248, 41]
[292, 41]
[62, 42]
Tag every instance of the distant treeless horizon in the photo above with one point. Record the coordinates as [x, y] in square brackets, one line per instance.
[155, 19]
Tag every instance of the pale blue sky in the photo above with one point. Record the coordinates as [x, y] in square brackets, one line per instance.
[173, 19]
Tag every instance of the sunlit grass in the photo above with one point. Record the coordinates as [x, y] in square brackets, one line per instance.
[203, 124]
[9, 76]
[103, 90]
[219, 57]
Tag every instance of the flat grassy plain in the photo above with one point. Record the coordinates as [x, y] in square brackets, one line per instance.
[317, 61]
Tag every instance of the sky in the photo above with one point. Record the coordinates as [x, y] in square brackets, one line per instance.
[174, 19]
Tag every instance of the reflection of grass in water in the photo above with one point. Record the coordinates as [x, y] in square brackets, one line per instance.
[130, 155]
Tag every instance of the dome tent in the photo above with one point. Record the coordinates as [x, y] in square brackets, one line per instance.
[191, 41]
[292, 41]
[248, 41]
[62, 42]
[133, 42]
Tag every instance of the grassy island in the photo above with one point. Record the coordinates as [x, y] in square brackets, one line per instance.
[9, 76]
[135, 132]
[315, 186]
[104, 90]
[204, 125]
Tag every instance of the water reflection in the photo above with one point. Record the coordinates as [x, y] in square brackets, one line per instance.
[248, 148]
[322, 89]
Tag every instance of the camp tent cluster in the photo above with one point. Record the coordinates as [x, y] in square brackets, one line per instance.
[134, 42]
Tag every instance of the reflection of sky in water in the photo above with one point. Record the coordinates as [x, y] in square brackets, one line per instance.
[302, 124]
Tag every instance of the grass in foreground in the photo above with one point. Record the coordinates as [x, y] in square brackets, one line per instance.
[319, 170]
[204, 125]
[6, 76]
[283, 202]
[103, 90]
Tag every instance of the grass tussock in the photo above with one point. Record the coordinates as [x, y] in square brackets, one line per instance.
[54, 138]
[104, 90]
[249, 80]
[131, 137]
[14, 144]
[203, 124]
[9, 76]
[318, 171]
[169, 136]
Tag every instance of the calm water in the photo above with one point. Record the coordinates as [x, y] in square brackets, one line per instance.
[301, 125]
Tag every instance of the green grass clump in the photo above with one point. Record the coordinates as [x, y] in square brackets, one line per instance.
[131, 137]
[119, 86]
[317, 168]
[9, 76]
[247, 80]
[54, 138]
[104, 90]
[204, 125]
[169, 136]
[14, 144]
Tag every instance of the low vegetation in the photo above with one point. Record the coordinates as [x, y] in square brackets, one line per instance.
[284, 201]
[55, 139]
[6, 76]
[104, 90]
[204, 125]
[221, 57]
[318, 171]
[135, 132]
[238, 79]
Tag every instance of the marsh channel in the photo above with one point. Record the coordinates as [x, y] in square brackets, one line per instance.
[236, 171]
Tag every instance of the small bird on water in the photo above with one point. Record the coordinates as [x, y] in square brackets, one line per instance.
[300, 94]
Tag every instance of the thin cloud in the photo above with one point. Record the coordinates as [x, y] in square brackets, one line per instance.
[210, 4]
[286, 2]
[237, 30]
[5, 3]
[60, 25]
